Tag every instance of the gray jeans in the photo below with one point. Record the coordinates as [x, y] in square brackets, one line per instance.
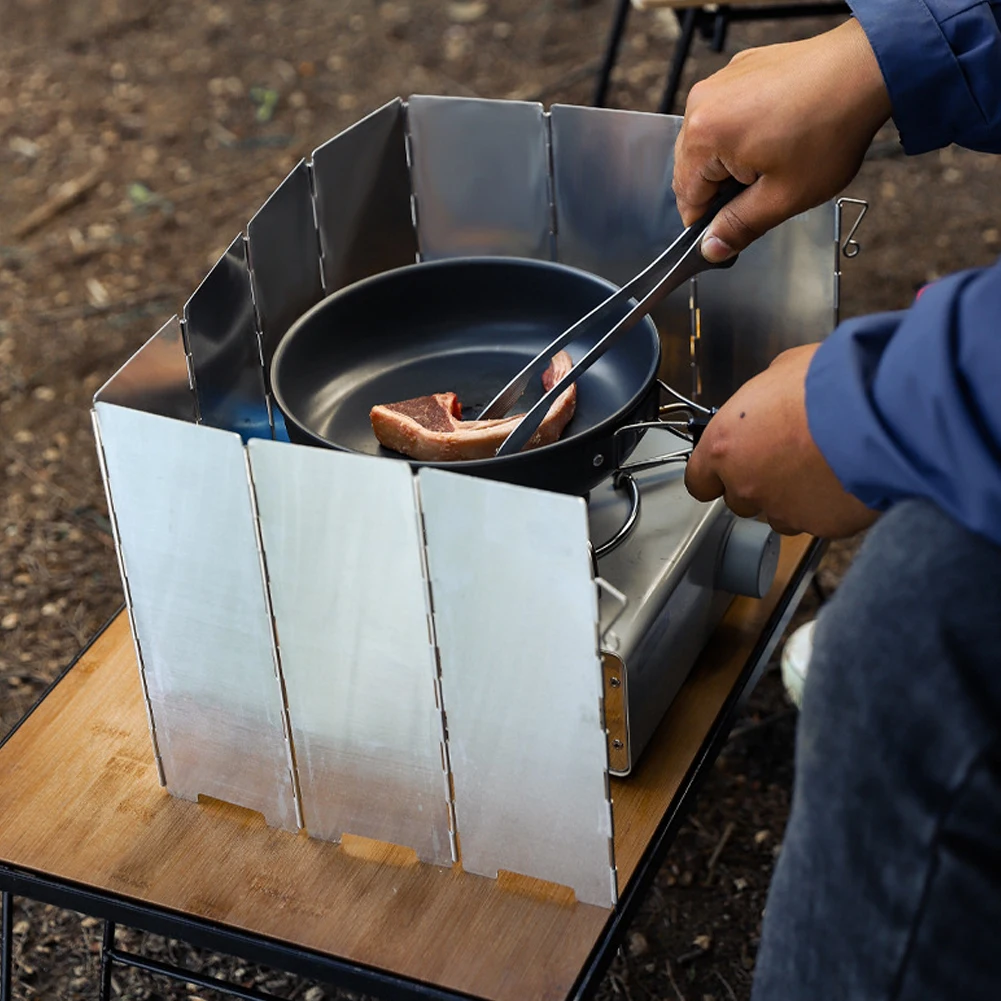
[888, 887]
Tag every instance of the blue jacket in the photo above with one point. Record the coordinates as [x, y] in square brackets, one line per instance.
[909, 404]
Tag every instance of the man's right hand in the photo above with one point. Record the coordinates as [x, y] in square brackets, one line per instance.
[792, 121]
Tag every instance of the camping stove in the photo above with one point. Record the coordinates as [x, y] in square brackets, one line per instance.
[677, 571]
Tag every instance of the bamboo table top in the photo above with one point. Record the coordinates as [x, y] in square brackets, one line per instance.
[80, 802]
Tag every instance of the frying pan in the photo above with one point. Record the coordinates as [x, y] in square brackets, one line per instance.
[465, 325]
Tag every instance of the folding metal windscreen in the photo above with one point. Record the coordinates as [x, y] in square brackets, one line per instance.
[334, 641]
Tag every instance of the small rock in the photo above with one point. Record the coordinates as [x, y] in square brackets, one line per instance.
[761, 837]
[44, 393]
[89, 923]
[888, 190]
[703, 942]
[49, 609]
[990, 236]
[21, 927]
[314, 994]
[952, 176]
[502, 30]
[24, 147]
[458, 44]
[638, 945]
[23, 436]
[97, 293]
[466, 11]
[739, 884]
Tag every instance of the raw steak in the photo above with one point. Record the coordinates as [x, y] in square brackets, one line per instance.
[431, 428]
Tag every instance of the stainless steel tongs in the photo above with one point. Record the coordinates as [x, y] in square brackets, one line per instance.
[680, 262]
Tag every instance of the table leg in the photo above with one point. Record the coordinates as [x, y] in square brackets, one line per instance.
[6, 943]
[611, 53]
[107, 947]
[678, 60]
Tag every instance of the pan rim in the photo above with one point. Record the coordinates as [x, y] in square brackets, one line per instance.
[494, 462]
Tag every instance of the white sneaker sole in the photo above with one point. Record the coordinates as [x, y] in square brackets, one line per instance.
[796, 662]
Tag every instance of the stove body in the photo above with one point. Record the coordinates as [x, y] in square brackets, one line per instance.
[346, 647]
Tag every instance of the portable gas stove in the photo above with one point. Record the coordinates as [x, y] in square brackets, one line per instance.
[678, 570]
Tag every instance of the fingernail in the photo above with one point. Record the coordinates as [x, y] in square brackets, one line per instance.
[715, 251]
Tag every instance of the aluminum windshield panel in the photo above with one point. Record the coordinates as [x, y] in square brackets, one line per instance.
[225, 348]
[516, 616]
[615, 210]
[155, 378]
[779, 294]
[343, 550]
[284, 258]
[182, 504]
[480, 172]
[363, 199]
[612, 170]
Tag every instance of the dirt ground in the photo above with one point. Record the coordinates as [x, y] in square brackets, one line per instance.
[174, 121]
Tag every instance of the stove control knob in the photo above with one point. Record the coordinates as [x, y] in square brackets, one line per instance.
[749, 559]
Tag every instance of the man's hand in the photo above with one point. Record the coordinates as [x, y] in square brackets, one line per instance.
[757, 453]
[793, 121]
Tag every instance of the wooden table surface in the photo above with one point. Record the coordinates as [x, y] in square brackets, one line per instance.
[80, 801]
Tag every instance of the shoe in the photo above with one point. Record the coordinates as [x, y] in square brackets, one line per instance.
[796, 662]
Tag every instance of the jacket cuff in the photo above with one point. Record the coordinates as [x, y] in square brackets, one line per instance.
[932, 107]
[840, 414]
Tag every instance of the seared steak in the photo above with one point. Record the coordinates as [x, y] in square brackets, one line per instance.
[431, 428]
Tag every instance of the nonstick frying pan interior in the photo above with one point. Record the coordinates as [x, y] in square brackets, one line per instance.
[465, 326]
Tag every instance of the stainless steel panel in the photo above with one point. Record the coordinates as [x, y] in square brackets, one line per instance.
[362, 189]
[155, 378]
[480, 172]
[344, 559]
[615, 210]
[780, 293]
[515, 610]
[284, 259]
[225, 348]
[182, 504]
[667, 570]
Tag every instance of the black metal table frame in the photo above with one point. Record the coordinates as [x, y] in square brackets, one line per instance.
[712, 25]
[114, 909]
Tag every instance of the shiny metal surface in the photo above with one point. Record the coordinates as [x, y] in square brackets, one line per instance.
[362, 191]
[284, 258]
[667, 570]
[222, 339]
[515, 610]
[183, 510]
[344, 559]
[615, 210]
[155, 379]
[612, 170]
[480, 174]
[779, 294]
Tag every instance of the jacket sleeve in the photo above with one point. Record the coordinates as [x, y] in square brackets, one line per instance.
[909, 404]
[941, 60]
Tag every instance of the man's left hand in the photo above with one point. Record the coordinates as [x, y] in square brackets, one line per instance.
[758, 454]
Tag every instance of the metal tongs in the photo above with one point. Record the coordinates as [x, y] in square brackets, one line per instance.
[680, 262]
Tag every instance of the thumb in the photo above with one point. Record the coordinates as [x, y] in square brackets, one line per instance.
[700, 479]
[741, 221]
